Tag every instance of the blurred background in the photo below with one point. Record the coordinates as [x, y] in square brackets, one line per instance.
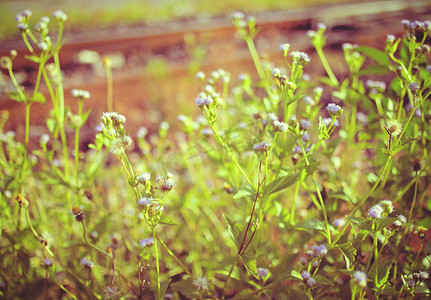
[157, 47]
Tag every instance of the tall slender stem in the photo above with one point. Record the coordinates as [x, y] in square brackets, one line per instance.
[156, 254]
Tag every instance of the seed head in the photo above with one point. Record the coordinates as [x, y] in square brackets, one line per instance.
[393, 127]
[416, 164]
[201, 283]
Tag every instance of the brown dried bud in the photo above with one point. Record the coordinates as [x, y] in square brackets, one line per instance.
[416, 164]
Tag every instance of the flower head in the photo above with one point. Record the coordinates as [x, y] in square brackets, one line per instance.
[59, 15]
[144, 177]
[305, 124]
[401, 220]
[305, 275]
[262, 272]
[47, 262]
[146, 242]
[334, 110]
[262, 147]
[387, 206]
[311, 282]
[77, 213]
[393, 127]
[279, 126]
[339, 222]
[376, 211]
[321, 250]
[201, 283]
[86, 263]
[361, 278]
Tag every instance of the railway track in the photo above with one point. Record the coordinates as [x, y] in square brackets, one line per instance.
[365, 23]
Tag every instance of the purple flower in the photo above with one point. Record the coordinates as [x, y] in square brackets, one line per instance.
[144, 201]
[303, 261]
[262, 272]
[339, 222]
[321, 250]
[305, 275]
[414, 87]
[334, 110]
[361, 278]
[146, 242]
[47, 262]
[305, 124]
[86, 263]
[376, 211]
[311, 282]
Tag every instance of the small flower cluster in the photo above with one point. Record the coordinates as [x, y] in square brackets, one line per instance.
[380, 210]
[393, 128]
[360, 278]
[309, 281]
[334, 110]
[261, 147]
[300, 58]
[279, 126]
[416, 278]
[80, 94]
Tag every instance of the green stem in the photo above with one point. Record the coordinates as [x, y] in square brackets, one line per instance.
[255, 57]
[27, 126]
[326, 65]
[84, 234]
[229, 153]
[229, 274]
[157, 259]
[17, 86]
[80, 106]
[27, 43]
[174, 256]
[376, 259]
[409, 220]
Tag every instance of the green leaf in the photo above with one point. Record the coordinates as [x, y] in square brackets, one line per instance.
[389, 291]
[245, 191]
[33, 58]
[322, 280]
[280, 184]
[311, 224]
[234, 230]
[349, 254]
[38, 97]
[374, 70]
[250, 263]
[381, 223]
[51, 124]
[422, 289]
[186, 288]
[164, 220]
[16, 96]
[362, 223]
[378, 56]
[384, 270]
[161, 293]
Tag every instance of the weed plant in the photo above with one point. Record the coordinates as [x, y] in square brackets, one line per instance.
[285, 187]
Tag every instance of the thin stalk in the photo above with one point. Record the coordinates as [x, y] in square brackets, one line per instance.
[174, 256]
[376, 259]
[229, 274]
[84, 234]
[26, 42]
[229, 153]
[255, 57]
[157, 259]
[80, 106]
[295, 196]
[418, 254]
[17, 86]
[27, 126]
[409, 220]
[326, 65]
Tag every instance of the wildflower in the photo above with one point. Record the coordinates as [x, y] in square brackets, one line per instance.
[262, 272]
[86, 263]
[334, 110]
[410, 281]
[299, 58]
[44, 139]
[280, 126]
[200, 75]
[262, 147]
[311, 282]
[310, 253]
[305, 137]
[421, 232]
[111, 291]
[285, 48]
[305, 124]
[203, 100]
[80, 94]
[303, 261]
[144, 177]
[387, 206]
[328, 121]
[168, 185]
[339, 222]
[207, 132]
[238, 15]
[60, 16]
[309, 100]
[375, 86]
[305, 275]
[201, 283]
[390, 38]
[429, 68]
[414, 87]
[393, 127]
[422, 275]
[376, 211]
[361, 278]
[145, 201]
[401, 220]
[47, 262]
[146, 242]
[77, 213]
